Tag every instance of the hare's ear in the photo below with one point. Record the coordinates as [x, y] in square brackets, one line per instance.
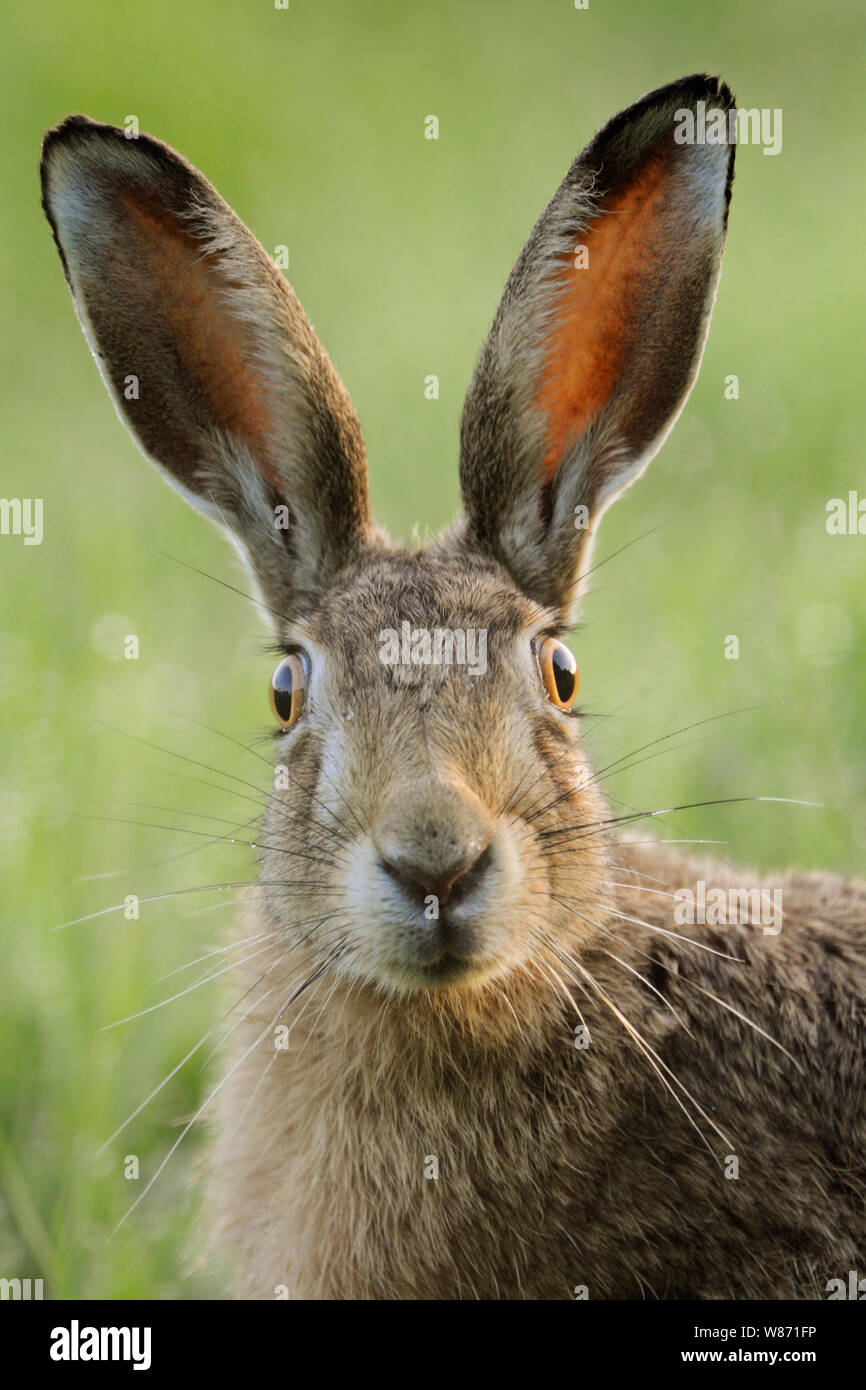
[598, 337]
[209, 357]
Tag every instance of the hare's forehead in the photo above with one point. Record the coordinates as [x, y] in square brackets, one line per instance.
[402, 607]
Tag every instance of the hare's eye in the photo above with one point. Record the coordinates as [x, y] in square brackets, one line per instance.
[286, 690]
[559, 672]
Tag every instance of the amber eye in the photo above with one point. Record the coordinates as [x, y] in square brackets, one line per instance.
[559, 671]
[286, 690]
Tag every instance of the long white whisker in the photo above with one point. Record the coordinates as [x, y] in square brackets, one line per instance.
[156, 1090]
[677, 936]
[218, 951]
[667, 1003]
[652, 1056]
[206, 979]
[205, 1103]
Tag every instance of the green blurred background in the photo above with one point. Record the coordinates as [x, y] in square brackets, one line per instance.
[310, 122]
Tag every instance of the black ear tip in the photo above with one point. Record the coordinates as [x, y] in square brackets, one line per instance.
[73, 130]
[67, 130]
[684, 93]
[83, 132]
[77, 120]
[715, 93]
[687, 92]
[702, 87]
[96, 150]
[625, 132]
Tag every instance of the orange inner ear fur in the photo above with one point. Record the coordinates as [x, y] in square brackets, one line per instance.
[210, 342]
[593, 322]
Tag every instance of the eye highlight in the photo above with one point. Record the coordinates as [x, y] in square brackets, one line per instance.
[287, 690]
[559, 672]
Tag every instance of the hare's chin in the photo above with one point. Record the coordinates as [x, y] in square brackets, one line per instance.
[449, 971]
[409, 959]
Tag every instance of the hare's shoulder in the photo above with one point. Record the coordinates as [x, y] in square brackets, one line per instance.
[779, 1001]
[806, 913]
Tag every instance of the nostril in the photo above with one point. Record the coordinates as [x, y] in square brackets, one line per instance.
[461, 886]
[414, 881]
[403, 877]
[449, 885]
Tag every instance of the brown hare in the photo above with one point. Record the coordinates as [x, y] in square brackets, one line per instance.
[479, 1054]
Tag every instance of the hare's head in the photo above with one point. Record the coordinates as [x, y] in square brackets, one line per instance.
[436, 816]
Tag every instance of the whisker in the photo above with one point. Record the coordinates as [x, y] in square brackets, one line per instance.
[206, 834]
[342, 946]
[183, 892]
[211, 907]
[156, 1090]
[685, 841]
[230, 738]
[607, 559]
[654, 1060]
[156, 898]
[233, 965]
[669, 810]
[678, 936]
[183, 757]
[238, 1021]
[209, 1098]
[744, 1017]
[261, 800]
[652, 987]
[502, 994]
[686, 728]
[629, 869]
[637, 888]
[218, 951]
[238, 743]
[684, 979]
[164, 859]
[551, 973]
[254, 985]
[251, 598]
[176, 811]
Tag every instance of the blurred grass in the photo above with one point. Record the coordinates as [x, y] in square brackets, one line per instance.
[311, 123]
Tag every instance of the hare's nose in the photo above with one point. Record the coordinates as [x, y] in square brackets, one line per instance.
[421, 880]
[435, 844]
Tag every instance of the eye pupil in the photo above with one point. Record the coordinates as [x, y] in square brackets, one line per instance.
[559, 672]
[283, 698]
[286, 691]
[564, 674]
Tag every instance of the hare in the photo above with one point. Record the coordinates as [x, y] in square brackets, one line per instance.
[478, 1054]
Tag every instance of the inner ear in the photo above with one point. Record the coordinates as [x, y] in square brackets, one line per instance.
[599, 290]
[211, 352]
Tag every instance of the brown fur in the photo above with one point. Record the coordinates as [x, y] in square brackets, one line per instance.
[404, 1112]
